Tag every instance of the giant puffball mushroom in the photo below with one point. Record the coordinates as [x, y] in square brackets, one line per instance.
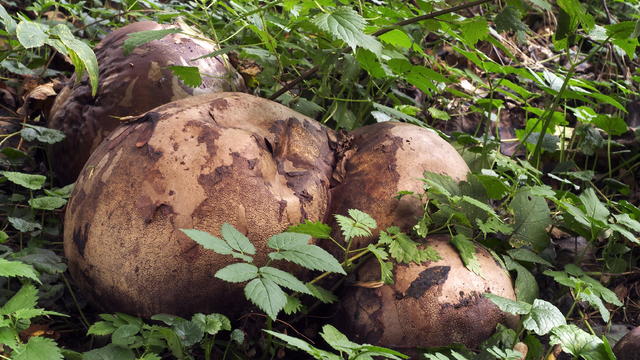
[130, 85]
[377, 161]
[195, 163]
[628, 348]
[431, 304]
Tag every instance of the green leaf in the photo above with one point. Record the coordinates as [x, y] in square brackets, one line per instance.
[25, 298]
[532, 216]
[475, 29]
[47, 203]
[325, 296]
[266, 295]
[594, 300]
[29, 181]
[212, 323]
[30, 34]
[576, 11]
[42, 134]
[527, 255]
[593, 207]
[611, 124]
[315, 229]
[9, 336]
[125, 334]
[509, 20]
[190, 75]
[357, 224]
[3, 238]
[27, 314]
[101, 328]
[626, 220]
[287, 240]
[347, 25]
[304, 346]
[63, 192]
[338, 340]
[508, 305]
[386, 267]
[188, 332]
[405, 250]
[236, 273]
[110, 352]
[292, 306]
[38, 347]
[43, 260]
[208, 241]
[310, 256]
[85, 56]
[23, 225]
[7, 20]
[397, 37]
[17, 268]
[578, 342]
[526, 285]
[438, 114]
[467, 251]
[237, 240]
[142, 37]
[543, 317]
[283, 279]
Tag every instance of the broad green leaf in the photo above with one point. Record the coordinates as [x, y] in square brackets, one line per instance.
[190, 75]
[337, 340]
[85, 56]
[578, 342]
[508, 305]
[7, 20]
[125, 335]
[532, 216]
[17, 268]
[626, 220]
[63, 192]
[188, 332]
[25, 298]
[212, 323]
[172, 340]
[42, 134]
[594, 300]
[347, 25]
[311, 257]
[47, 203]
[611, 124]
[526, 285]
[236, 273]
[149, 356]
[304, 346]
[142, 37]
[208, 241]
[288, 240]
[29, 181]
[527, 255]
[397, 37]
[315, 229]
[237, 240]
[38, 347]
[543, 317]
[475, 29]
[110, 352]
[467, 250]
[325, 296]
[3, 238]
[283, 279]
[30, 34]
[438, 114]
[101, 328]
[576, 10]
[593, 207]
[8, 336]
[43, 260]
[509, 19]
[266, 295]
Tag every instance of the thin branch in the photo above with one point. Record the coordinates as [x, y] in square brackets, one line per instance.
[288, 86]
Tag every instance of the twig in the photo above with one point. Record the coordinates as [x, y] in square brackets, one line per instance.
[288, 86]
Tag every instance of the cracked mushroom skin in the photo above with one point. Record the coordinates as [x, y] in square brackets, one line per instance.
[377, 161]
[195, 163]
[130, 85]
[431, 304]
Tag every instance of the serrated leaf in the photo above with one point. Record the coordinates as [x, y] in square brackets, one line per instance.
[27, 314]
[212, 323]
[190, 75]
[17, 268]
[475, 29]
[508, 305]
[236, 273]
[283, 279]
[142, 37]
[509, 19]
[594, 300]
[101, 328]
[39, 348]
[467, 250]
[9, 336]
[304, 346]
[125, 334]
[543, 317]
[237, 240]
[311, 257]
[338, 340]
[532, 216]
[325, 296]
[347, 25]
[266, 295]
[288, 240]
[30, 34]
[208, 241]
[23, 225]
[315, 229]
[25, 298]
[29, 181]
[110, 352]
[578, 342]
[397, 37]
[292, 306]
[42, 134]
[47, 203]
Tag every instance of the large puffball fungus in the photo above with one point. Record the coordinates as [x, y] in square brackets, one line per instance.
[195, 163]
[377, 161]
[430, 304]
[131, 84]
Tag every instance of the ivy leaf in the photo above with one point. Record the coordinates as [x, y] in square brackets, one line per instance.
[237, 240]
[142, 37]
[47, 202]
[38, 347]
[25, 298]
[17, 268]
[532, 216]
[315, 229]
[578, 342]
[467, 250]
[30, 34]
[190, 75]
[266, 295]
[325, 296]
[283, 279]
[237, 273]
[543, 317]
[347, 25]
[29, 181]
[208, 241]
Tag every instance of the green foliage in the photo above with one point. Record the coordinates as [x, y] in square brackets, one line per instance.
[139, 38]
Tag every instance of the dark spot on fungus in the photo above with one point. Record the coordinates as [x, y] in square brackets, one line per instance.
[436, 275]
[80, 235]
[220, 104]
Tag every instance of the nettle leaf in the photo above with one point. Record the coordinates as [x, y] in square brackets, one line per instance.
[30, 34]
[532, 216]
[142, 37]
[29, 181]
[283, 279]
[325, 296]
[346, 24]
[38, 347]
[405, 250]
[467, 251]
[543, 317]
[236, 273]
[266, 295]
[47, 202]
[208, 241]
[397, 37]
[237, 240]
[42, 134]
[190, 75]
[578, 342]
[25, 298]
[475, 29]
[17, 268]
[386, 267]
[315, 229]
